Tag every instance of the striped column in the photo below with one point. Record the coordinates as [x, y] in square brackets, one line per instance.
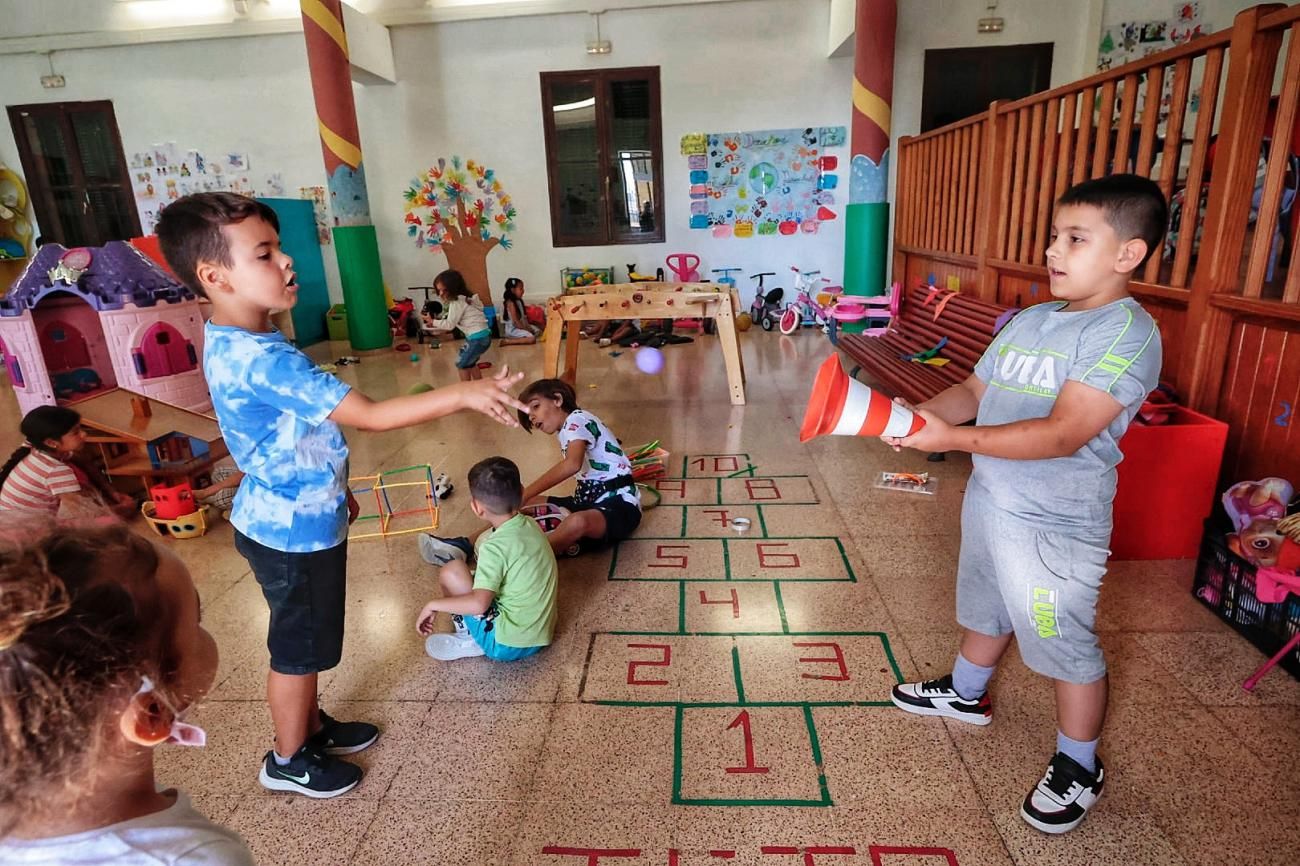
[355, 243]
[866, 223]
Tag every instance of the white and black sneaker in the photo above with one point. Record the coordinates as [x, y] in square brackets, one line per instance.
[439, 551]
[1062, 798]
[939, 698]
[310, 772]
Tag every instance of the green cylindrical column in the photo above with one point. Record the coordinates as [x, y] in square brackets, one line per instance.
[866, 219]
[358, 255]
[355, 244]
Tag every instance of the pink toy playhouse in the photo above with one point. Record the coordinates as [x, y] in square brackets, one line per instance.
[82, 321]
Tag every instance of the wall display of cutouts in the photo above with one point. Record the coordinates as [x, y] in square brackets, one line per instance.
[459, 208]
[164, 173]
[766, 182]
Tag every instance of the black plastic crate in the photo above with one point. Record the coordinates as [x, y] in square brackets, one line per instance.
[1225, 583]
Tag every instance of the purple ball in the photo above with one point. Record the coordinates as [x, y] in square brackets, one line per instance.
[650, 360]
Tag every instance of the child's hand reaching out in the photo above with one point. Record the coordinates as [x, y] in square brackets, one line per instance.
[424, 622]
[492, 396]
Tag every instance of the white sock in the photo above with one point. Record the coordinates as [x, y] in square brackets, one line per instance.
[280, 762]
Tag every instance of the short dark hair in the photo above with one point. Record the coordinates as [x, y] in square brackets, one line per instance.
[1134, 206]
[189, 230]
[548, 389]
[495, 484]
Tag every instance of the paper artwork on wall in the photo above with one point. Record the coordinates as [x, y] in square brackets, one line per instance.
[164, 173]
[766, 182]
[319, 199]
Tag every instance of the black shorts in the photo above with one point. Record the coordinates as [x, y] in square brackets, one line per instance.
[621, 517]
[307, 593]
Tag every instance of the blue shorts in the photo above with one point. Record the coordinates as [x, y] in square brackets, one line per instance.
[472, 350]
[480, 628]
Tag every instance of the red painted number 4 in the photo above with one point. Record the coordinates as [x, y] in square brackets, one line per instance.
[742, 721]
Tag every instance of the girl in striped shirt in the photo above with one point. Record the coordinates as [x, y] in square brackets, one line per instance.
[45, 472]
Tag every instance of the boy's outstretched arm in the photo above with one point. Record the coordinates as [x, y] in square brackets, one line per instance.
[1079, 414]
[473, 603]
[562, 471]
[489, 396]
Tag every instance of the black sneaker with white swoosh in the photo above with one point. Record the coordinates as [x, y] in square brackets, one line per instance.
[1061, 799]
[310, 772]
[343, 738]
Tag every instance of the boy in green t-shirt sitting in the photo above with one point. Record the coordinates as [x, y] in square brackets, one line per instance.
[506, 608]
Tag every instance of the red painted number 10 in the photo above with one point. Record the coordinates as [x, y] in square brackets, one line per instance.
[742, 721]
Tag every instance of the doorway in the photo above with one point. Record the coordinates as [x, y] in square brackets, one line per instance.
[960, 82]
[76, 171]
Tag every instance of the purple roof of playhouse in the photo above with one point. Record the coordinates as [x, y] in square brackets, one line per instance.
[118, 275]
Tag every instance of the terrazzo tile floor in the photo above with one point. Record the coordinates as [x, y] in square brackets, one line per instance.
[715, 696]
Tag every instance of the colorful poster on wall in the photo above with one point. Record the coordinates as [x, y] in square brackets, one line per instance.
[1132, 40]
[164, 173]
[766, 182]
[319, 199]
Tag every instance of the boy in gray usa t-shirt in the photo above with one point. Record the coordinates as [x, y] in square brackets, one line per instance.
[1051, 398]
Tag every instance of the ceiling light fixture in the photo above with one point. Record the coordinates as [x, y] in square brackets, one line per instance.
[599, 46]
[992, 23]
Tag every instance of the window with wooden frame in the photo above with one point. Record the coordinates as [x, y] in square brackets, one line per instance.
[72, 155]
[604, 156]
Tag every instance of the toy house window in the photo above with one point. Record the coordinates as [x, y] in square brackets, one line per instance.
[164, 351]
[11, 364]
[604, 156]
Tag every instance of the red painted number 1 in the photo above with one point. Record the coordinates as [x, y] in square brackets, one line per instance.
[742, 721]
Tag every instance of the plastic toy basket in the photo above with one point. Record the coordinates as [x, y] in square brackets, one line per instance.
[572, 278]
[186, 526]
[1225, 583]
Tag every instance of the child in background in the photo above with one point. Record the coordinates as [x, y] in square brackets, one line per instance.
[462, 309]
[280, 416]
[516, 330]
[101, 651]
[220, 492]
[506, 608]
[605, 508]
[45, 475]
[1051, 398]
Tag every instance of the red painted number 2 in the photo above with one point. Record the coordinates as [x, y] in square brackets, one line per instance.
[665, 661]
[742, 721]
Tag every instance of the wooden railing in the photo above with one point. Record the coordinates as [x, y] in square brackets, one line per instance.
[1207, 122]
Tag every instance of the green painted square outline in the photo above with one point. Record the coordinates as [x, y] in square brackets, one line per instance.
[726, 560]
[815, 747]
[750, 467]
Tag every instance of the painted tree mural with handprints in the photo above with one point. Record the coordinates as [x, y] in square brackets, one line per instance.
[459, 209]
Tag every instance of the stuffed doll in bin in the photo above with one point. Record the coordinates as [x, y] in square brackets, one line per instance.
[1256, 507]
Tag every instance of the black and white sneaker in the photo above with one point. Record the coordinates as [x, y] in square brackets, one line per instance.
[939, 698]
[1061, 800]
[343, 738]
[436, 550]
[310, 772]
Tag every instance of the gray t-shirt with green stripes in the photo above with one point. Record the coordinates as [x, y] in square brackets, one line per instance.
[1114, 348]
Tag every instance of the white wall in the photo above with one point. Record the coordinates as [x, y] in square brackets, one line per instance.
[1216, 14]
[250, 94]
[472, 89]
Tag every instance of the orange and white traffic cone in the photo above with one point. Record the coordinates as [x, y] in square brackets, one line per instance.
[841, 406]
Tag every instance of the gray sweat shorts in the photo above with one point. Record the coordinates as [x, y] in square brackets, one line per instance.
[1040, 582]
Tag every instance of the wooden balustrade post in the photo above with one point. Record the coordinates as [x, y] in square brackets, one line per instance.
[905, 206]
[992, 199]
[1252, 59]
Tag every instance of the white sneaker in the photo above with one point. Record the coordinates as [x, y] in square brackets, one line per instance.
[449, 647]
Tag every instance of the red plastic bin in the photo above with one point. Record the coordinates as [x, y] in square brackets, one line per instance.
[1166, 486]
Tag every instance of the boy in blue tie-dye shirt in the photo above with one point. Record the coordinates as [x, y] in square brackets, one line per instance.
[280, 417]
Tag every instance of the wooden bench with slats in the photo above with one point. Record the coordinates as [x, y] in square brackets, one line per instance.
[966, 321]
